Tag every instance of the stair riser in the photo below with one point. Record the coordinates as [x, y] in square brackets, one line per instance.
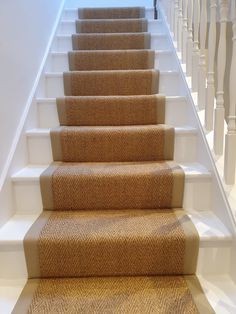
[63, 43]
[170, 84]
[40, 152]
[13, 265]
[68, 27]
[72, 14]
[28, 196]
[164, 61]
[176, 113]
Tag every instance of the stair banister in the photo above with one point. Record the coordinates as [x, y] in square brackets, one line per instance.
[180, 26]
[202, 56]
[230, 138]
[172, 15]
[189, 39]
[221, 64]
[210, 93]
[185, 30]
[195, 55]
[176, 19]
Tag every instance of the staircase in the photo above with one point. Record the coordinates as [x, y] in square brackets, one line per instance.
[203, 198]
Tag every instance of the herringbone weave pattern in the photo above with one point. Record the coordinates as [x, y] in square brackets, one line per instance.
[113, 222]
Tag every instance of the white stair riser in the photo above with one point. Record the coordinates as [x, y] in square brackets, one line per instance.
[170, 85]
[63, 43]
[58, 62]
[211, 261]
[197, 195]
[40, 152]
[176, 113]
[68, 27]
[72, 14]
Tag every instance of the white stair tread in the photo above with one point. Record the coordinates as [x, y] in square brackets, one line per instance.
[45, 132]
[94, 6]
[32, 172]
[168, 99]
[63, 53]
[220, 291]
[60, 74]
[69, 21]
[209, 227]
[155, 35]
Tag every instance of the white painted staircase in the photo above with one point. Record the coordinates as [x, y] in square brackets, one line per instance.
[204, 197]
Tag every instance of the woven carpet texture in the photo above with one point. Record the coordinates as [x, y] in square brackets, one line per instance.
[113, 236]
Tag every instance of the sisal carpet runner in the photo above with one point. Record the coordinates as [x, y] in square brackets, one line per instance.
[113, 236]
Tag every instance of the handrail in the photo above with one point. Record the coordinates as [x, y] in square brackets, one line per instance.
[206, 63]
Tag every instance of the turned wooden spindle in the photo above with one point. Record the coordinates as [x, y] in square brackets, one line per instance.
[210, 93]
[230, 138]
[221, 63]
[195, 55]
[202, 57]
[189, 39]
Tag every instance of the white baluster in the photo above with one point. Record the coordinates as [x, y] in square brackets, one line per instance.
[185, 30]
[176, 19]
[210, 95]
[180, 25]
[202, 57]
[189, 39]
[230, 138]
[221, 62]
[195, 55]
[172, 14]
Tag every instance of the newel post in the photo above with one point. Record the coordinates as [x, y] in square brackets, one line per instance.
[210, 96]
[230, 138]
[195, 55]
[221, 63]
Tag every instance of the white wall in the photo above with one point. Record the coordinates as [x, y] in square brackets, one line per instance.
[25, 28]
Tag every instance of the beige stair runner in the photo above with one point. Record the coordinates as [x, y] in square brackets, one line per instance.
[113, 223]
[111, 26]
[111, 60]
[111, 41]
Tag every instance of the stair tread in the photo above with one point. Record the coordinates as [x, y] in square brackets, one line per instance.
[211, 230]
[60, 74]
[63, 53]
[220, 292]
[46, 131]
[32, 172]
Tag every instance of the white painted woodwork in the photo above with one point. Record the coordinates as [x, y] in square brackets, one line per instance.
[185, 31]
[172, 14]
[198, 181]
[170, 84]
[202, 57]
[189, 51]
[210, 93]
[221, 63]
[176, 20]
[63, 43]
[204, 200]
[230, 138]
[40, 151]
[180, 26]
[195, 54]
[164, 61]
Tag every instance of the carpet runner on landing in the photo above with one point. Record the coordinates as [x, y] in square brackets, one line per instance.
[113, 236]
